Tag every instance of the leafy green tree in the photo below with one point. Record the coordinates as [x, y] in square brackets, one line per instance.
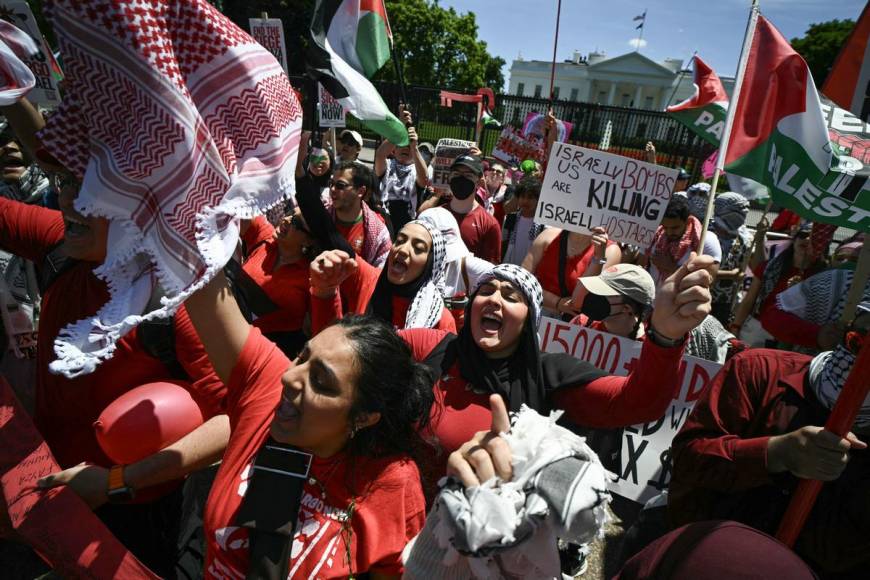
[439, 48]
[821, 44]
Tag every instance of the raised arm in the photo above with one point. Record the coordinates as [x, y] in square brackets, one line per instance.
[26, 121]
[420, 166]
[384, 150]
[219, 323]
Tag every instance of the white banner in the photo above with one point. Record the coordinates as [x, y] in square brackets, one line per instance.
[45, 92]
[586, 188]
[645, 464]
[269, 32]
[446, 153]
[329, 110]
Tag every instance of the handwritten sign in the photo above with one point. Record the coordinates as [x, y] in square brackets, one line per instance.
[55, 522]
[269, 32]
[329, 110]
[645, 464]
[43, 65]
[446, 153]
[586, 188]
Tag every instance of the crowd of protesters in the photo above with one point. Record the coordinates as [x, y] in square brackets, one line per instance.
[385, 330]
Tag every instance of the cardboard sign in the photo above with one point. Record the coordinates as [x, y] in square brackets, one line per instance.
[446, 153]
[513, 147]
[43, 65]
[330, 112]
[269, 32]
[55, 522]
[645, 464]
[585, 188]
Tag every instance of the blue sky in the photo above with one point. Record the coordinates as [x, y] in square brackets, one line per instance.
[674, 28]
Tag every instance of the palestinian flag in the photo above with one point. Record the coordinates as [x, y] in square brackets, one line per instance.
[349, 42]
[704, 112]
[813, 156]
[847, 83]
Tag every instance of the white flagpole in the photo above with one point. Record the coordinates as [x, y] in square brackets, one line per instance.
[729, 121]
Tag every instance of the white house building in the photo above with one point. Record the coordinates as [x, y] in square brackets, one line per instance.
[628, 80]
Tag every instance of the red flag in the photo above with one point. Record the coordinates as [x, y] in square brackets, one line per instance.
[848, 83]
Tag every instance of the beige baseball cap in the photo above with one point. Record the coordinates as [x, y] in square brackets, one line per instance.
[623, 279]
[353, 135]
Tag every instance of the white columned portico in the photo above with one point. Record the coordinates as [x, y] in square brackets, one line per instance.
[612, 94]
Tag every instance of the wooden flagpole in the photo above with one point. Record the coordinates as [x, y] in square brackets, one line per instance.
[729, 122]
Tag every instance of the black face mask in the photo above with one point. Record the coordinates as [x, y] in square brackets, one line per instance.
[596, 307]
[462, 187]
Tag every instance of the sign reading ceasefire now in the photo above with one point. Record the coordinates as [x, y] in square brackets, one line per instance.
[645, 462]
[585, 188]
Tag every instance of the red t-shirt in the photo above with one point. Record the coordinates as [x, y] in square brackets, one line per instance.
[481, 233]
[607, 402]
[390, 513]
[67, 408]
[354, 233]
[547, 271]
[583, 320]
[287, 286]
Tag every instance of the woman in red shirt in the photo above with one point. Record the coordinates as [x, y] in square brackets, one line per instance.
[277, 261]
[558, 258]
[360, 500]
[405, 292]
[497, 352]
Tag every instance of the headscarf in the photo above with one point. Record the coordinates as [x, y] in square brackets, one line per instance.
[676, 249]
[442, 219]
[828, 373]
[698, 194]
[527, 376]
[729, 213]
[427, 302]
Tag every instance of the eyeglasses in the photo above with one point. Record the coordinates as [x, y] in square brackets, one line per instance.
[339, 185]
[299, 225]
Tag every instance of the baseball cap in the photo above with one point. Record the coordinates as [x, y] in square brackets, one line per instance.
[357, 138]
[472, 162]
[623, 279]
[683, 174]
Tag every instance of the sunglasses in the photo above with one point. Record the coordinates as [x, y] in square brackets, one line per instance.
[339, 185]
[297, 224]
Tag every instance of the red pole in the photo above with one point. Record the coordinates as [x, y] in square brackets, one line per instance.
[839, 422]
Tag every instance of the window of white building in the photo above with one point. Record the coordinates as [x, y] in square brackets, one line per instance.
[575, 92]
[538, 89]
[521, 88]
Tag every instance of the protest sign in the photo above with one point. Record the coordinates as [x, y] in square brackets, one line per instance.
[535, 123]
[330, 112]
[269, 32]
[43, 65]
[513, 147]
[586, 188]
[54, 522]
[645, 463]
[446, 153]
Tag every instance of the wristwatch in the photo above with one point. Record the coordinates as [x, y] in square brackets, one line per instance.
[662, 341]
[119, 491]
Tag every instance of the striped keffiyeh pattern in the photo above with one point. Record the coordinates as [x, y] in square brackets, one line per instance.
[176, 122]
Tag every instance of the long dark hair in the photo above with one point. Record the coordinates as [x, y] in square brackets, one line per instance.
[391, 383]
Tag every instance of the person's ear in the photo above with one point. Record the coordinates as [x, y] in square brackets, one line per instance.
[364, 420]
[361, 191]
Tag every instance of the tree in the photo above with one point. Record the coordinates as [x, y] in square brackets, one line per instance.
[821, 44]
[439, 48]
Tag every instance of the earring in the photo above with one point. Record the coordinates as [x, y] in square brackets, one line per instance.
[353, 430]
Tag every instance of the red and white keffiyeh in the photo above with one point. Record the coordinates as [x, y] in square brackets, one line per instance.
[177, 122]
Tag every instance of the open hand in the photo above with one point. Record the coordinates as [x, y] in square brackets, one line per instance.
[811, 453]
[683, 299]
[487, 454]
[329, 270]
[90, 482]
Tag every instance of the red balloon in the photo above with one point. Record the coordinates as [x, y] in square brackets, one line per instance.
[146, 419]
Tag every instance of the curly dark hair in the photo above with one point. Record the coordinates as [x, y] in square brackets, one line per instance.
[391, 383]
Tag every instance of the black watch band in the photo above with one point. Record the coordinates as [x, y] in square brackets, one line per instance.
[664, 342]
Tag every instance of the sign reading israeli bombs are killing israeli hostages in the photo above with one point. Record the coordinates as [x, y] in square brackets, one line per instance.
[584, 188]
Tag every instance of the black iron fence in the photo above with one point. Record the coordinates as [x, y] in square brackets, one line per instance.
[630, 129]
